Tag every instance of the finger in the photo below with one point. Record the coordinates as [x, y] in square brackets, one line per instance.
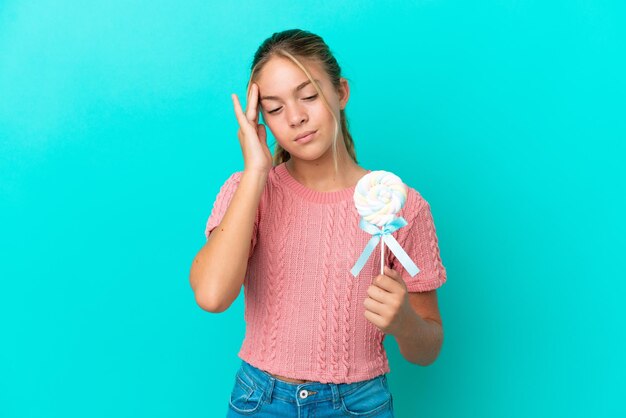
[392, 273]
[386, 285]
[262, 133]
[394, 279]
[378, 293]
[374, 306]
[244, 124]
[389, 282]
[375, 319]
[253, 98]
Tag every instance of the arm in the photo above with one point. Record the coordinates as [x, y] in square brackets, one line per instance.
[421, 337]
[218, 270]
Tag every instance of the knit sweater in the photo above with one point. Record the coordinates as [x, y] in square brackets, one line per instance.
[304, 310]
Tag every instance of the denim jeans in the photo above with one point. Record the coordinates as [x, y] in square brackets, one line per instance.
[260, 394]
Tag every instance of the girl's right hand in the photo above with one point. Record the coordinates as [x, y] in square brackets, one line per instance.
[252, 135]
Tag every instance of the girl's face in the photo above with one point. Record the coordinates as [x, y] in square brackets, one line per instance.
[291, 106]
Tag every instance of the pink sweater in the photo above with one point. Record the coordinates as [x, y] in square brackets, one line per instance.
[303, 309]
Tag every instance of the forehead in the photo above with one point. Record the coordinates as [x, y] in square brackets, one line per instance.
[281, 76]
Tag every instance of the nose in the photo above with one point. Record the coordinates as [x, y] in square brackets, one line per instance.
[297, 116]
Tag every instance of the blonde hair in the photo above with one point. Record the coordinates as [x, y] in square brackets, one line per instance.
[296, 42]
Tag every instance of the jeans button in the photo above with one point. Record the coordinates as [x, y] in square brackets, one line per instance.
[304, 393]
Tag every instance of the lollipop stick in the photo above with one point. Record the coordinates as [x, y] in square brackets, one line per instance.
[382, 256]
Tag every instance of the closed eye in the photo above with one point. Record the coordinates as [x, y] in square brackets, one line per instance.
[306, 98]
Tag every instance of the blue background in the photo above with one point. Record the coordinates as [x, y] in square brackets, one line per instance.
[117, 130]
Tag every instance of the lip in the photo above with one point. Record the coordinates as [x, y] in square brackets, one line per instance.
[305, 137]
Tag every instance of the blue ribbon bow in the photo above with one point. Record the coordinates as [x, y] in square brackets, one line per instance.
[385, 234]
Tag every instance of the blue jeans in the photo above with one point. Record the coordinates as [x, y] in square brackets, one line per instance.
[260, 394]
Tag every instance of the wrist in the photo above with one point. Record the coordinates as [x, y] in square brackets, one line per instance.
[255, 173]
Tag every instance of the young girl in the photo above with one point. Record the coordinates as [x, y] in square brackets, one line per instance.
[286, 228]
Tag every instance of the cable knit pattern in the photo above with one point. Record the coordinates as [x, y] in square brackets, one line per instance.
[349, 282]
[324, 280]
[275, 287]
[336, 306]
[304, 311]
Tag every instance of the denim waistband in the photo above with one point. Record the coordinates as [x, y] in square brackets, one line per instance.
[293, 392]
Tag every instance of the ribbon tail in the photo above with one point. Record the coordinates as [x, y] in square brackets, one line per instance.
[365, 255]
[401, 255]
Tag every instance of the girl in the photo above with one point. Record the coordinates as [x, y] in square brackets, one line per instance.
[286, 228]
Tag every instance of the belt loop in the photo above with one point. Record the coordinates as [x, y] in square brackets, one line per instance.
[336, 396]
[269, 389]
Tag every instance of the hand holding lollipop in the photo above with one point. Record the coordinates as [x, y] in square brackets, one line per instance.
[378, 196]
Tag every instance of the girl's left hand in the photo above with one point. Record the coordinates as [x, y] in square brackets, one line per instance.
[387, 306]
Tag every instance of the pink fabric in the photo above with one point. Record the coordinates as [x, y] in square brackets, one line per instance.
[303, 309]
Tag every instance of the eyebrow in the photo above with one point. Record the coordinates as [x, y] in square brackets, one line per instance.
[300, 87]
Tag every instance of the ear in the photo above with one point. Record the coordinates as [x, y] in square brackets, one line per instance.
[344, 93]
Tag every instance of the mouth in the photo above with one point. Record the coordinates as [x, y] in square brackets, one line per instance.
[305, 137]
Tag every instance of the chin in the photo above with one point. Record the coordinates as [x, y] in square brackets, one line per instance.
[312, 155]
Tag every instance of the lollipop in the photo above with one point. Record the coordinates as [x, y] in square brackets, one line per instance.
[378, 196]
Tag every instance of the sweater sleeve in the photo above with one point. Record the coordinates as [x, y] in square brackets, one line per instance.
[220, 205]
[420, 242]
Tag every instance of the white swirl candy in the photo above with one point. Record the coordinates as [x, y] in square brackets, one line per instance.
[378, 196]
